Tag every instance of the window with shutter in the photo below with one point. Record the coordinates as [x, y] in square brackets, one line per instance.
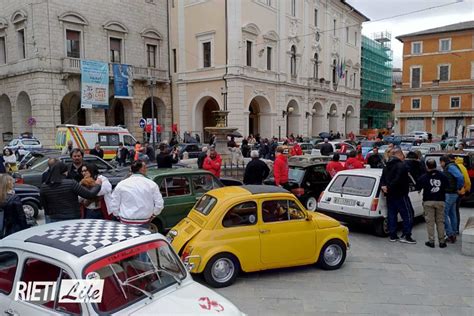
[415, 77]
[3, 51]
[115, 50]
[73, 43]
[444, 73]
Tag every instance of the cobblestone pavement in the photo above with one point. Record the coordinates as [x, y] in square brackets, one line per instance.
[378, 278]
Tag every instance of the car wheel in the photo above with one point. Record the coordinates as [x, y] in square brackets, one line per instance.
[381, 228]
[221, 270]
[156, 227]
[332, 255]
[30, 208]
[311, 203]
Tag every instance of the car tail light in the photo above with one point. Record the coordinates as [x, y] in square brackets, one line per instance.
[19, 181]
[374, 205]
[298, 191]
[320, 196]
[186, 252]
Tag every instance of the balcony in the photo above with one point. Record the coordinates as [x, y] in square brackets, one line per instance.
[73, 66]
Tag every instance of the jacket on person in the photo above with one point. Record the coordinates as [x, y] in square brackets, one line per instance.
[14, 218]
[296, 150]
[415, 167]
[375, 161]
[467, 181]
[213, 165]
[200, 160]
[433, 183]
[256, 171]
[74, 173]
[455, 178]
[353, 163]
[99, 153]
[60, 200]
[395, 178]
[165, 160]
[2, 166]
[333, 167]
[326, 149]
[280, 170]
[122, 155]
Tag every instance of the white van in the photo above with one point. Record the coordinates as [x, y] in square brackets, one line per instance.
[355, 196]
[85, 137]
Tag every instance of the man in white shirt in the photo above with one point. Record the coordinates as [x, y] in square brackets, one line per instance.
[137, 199]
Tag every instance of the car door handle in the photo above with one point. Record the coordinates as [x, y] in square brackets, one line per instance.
[264, 231]
[11, 312]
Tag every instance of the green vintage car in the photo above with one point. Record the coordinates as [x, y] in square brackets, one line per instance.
[180, 188]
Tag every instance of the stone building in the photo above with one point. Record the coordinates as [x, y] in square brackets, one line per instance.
[42, 43]
[278, 67]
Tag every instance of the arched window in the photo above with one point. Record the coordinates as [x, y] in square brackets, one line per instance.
[293, 61]
[315, 67]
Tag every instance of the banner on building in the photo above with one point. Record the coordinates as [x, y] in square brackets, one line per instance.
[94, 84]
[123, 81]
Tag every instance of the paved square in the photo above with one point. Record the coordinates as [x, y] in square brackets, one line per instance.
[378, 278]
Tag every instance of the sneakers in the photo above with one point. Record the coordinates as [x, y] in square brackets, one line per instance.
[442, 245]
[452, 239]
[394, 239]
[430, 244]
[408, 240]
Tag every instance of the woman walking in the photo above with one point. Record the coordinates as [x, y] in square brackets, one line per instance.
[95, 208]
[12, 217]
[59, 195]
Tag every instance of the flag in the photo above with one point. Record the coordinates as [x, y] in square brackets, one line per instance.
[343, 70]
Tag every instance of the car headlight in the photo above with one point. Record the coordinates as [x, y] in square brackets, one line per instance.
[171, 235]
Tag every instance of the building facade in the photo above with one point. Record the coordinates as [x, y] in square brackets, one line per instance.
[42, 43]
[278, 67]
[438, 80]
[376, 105]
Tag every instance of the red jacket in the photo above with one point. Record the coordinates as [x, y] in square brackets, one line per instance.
[334, 167]
[280, 169]
[296, 150]
[354, 163]
[213, 165]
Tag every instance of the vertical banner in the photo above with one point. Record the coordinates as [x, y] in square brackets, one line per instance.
[123, 81]
[94, 84]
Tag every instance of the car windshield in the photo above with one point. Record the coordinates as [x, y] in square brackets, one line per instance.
[30, 142]
[367, 144]
[353, 185]
[41, 165]
[135, 273]
[295, 174]
[205, 204]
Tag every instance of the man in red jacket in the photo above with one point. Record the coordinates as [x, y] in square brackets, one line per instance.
[213, 163]
[296, 150]
[334, 166]
[352, 162]
[280, 168]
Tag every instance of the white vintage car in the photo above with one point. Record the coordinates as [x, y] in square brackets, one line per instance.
[141, 273]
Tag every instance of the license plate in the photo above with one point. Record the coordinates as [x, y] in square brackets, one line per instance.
[169, 239]
[344, 201]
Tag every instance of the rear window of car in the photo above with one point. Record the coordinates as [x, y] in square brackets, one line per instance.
[353, 185]
[205, 204]
[31, 142]
[296, 174]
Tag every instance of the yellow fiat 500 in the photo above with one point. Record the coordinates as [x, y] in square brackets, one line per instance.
[252, 228]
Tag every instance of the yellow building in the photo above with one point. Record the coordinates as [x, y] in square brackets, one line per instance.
[438, 80]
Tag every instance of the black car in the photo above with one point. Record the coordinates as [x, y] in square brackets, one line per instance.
[34, 174]
[30, 198]
[193, 150]
[306, 180]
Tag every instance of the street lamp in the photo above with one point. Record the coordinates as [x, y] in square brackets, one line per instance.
[151, 83]
[288, 111]
[308, 114]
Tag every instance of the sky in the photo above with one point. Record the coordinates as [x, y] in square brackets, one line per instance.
[458, 11]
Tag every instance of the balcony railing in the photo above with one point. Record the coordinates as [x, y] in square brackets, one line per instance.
[73, 65]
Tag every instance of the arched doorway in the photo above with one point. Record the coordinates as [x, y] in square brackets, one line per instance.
[333, 118]
[6, 125]
[71, 112]
[23, 107]
[292, 119]
[115, 115]
[259, 117]
[203, 116]
[350, 120]
[158, 112]
[317, 119]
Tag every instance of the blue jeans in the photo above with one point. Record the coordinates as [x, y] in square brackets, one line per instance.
[93, 214]
[450, 220]
[403, 206]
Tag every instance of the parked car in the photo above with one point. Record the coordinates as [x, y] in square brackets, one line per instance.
[30, 198]
[180, 188]
[368, 145]
[336, 145]
[21, 146]
[141, 273]
[34, 174]
[308, 158]
[355, 196]
[306, 147]
[34, 156]
[193, 150]
[420, 135]
[253, 228]
[306, 180]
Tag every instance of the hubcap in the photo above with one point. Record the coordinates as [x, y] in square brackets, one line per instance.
[223, 270]
[311, 204]
[333, 255]
[29, 210]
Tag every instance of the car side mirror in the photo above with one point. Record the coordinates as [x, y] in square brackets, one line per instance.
[309, 217]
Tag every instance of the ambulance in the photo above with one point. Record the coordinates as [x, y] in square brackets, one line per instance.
[85, 137]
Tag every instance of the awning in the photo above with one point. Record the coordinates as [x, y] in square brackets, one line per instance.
[379, 106]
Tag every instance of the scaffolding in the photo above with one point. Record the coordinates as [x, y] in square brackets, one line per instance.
[376, 81]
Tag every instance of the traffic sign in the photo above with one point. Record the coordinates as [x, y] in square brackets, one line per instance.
[142, 123]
